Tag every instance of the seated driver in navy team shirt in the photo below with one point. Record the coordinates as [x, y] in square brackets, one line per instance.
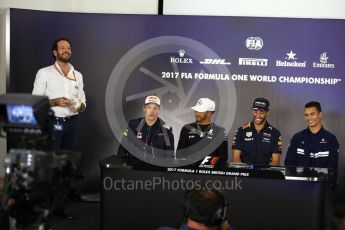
[313, 146]
[257, 142]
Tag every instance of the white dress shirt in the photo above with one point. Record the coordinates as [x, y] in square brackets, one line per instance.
[51, 82]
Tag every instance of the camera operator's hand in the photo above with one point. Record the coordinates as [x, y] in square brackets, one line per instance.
[60, 101]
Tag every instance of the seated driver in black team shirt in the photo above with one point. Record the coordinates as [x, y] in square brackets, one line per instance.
[203, 137]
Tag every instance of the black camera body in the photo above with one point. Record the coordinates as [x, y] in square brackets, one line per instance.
[31, 166]
[28, 186]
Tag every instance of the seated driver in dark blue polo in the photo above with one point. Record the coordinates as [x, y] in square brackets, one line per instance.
[257, 142]
[313, 146]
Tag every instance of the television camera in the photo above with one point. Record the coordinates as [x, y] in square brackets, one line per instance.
[31, 166]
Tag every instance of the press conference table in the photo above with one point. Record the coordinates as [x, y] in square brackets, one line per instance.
[145, 197]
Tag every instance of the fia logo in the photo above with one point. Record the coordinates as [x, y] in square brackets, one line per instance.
[254, 43]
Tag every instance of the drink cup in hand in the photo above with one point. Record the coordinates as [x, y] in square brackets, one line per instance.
[75, 105]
